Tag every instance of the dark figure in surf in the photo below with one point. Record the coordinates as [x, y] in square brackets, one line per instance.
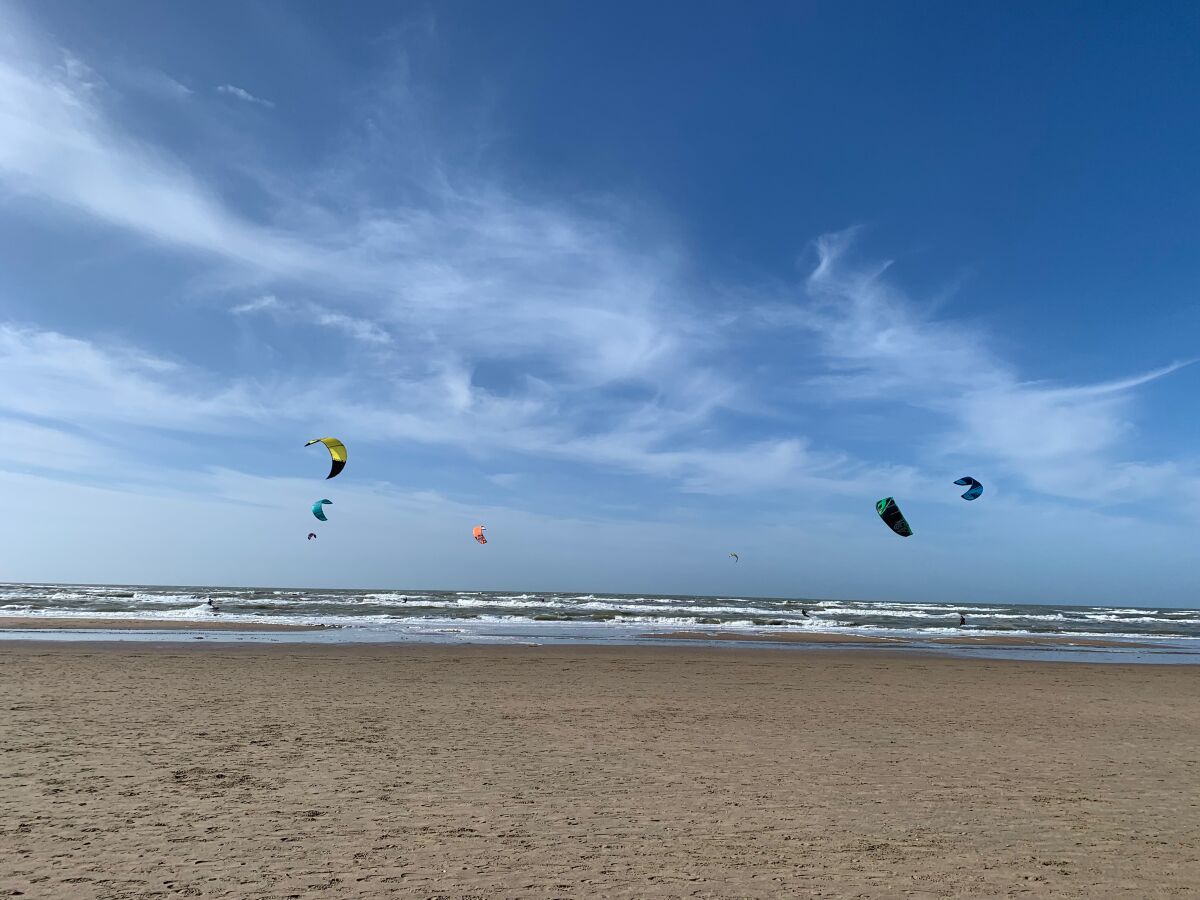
[962, 620]
[804, 612]
[216, 609]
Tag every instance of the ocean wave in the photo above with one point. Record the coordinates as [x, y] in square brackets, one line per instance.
[406, 609]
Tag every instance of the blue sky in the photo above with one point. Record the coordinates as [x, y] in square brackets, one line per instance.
[632, 287]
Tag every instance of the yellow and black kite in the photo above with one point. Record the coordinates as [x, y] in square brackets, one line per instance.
[336, 449]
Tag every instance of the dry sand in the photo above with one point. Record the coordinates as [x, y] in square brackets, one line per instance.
[215, 770]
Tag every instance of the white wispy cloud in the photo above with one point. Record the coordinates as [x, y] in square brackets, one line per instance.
[157, 83]
[1061, 441]
[78, 73]
[232, 90]
[258, 304]
[55, 377]
[477, 268]
[611, 351]
[59, 144]
[34, 446]
[361, 330]
[468, 275]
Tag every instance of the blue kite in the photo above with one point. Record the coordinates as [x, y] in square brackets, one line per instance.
[973, 491]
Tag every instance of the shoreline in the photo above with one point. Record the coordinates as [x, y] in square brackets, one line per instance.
[983, 640]
[33, 627]
[835, 653]
[37, 623]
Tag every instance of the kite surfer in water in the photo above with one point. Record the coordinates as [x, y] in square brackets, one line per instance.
[962, 620]
[213, 606]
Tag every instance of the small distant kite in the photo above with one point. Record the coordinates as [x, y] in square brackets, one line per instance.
[311, 535]
[318, 511]
[973, 491]
[478, 532]
[735, 557]
[337, 451]
[892, 517]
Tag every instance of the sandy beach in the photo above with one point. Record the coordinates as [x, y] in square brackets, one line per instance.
[213, 770]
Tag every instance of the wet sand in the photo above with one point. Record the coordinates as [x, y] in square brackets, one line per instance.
[247, 771]
[966, 640]
[782, 637]
[42, 623]
[1057, 640]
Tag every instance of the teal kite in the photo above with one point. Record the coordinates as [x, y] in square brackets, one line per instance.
[892, 517]
[318, 512]
[973, 491]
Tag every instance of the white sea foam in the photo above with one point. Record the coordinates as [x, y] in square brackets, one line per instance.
[472, 613]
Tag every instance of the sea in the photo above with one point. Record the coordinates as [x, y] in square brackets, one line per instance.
[1136, 632]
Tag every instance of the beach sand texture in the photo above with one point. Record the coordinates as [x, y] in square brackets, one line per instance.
[214, 770]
